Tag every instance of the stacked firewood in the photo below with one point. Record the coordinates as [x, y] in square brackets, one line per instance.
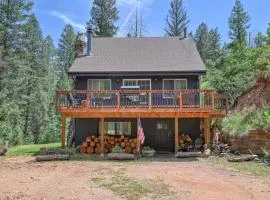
[92, 144]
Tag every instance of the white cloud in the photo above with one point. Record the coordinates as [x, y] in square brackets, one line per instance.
[132, 3]
[67, 20]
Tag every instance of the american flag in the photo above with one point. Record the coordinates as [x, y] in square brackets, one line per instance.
[140, 133]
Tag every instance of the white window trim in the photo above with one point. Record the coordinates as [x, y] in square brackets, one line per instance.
[172, 79]
[88, 85]
[136, 79]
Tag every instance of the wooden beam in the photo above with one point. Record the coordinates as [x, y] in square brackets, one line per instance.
[207, 132]
[176, 134]
[101, 131]
[63, 132]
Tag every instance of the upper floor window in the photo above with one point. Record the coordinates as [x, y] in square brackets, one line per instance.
[144, 84]
[174, 84]
[99, 84]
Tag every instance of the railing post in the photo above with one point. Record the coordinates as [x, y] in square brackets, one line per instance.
[149, 100]
[118, 100]
[180, 100]
[213, 100]
[88, 101]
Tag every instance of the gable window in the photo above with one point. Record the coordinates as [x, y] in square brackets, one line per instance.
[99, 84]
[144, 84]
[117, 128]
[174, 84]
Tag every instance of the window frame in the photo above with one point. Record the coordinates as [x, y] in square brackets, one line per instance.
[173, 79]
[138, 79]
[88, 83]
[115, 124]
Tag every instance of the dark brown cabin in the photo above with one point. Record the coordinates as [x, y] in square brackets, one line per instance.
[156, 79]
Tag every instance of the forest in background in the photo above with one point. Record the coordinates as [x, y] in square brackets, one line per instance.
[32, 68]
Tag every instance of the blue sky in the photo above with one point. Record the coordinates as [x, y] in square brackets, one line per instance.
[54, 14]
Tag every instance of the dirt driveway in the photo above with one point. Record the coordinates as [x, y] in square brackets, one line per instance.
[22, 178]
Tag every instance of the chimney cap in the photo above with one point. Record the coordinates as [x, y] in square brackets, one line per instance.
[89, 27]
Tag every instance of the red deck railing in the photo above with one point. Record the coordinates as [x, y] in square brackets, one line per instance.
[181, 100]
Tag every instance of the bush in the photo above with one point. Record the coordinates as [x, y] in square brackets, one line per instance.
[147, 148]
[266, 155]
[238, 124]
[117, 149]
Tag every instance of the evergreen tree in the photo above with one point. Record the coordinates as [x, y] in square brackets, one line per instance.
[177, 20]
[239, 23]
[104, 15]
[208, 43]
[66, 50]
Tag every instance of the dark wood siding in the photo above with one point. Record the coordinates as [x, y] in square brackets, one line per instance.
[192, 81]
[87, 127]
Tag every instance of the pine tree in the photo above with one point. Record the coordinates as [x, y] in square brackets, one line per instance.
[104, 15]
[177, 20]
[239, 23]
[66, 50]
[208, 42]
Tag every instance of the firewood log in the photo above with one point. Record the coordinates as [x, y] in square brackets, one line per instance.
[40, 158]
[133, 145]
[127, 144]
[97, 150]
[84, 144]
[123, 144]
[82, 150]
[128, 150]
[134, 151]
[92, 144]
[117, 144]
[93, 137]
[97, 144]
[88, 139]
[126, 139]
[112, 142]
[96, 140]
[90, 150]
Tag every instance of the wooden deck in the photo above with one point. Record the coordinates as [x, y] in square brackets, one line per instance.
[141, 104]
[204, 104]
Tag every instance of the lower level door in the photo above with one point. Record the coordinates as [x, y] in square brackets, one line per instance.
[163, 134]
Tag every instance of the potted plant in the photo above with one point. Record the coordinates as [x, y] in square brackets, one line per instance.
[148, 151]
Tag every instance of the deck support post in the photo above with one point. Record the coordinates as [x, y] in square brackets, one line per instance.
[63, 132]
[207, 132]
[101, 131]
[176, 134]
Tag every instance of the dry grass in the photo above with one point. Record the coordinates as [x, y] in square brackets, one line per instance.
[130, 188]
[253, 168]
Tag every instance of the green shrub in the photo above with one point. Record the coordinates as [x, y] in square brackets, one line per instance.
[147, 148]
[266, 155]
[117, 149]
[238, 124]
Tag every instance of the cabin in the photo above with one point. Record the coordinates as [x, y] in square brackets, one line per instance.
[155, 79]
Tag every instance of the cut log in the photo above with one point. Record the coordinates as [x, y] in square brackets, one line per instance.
[84, 144]
[243, 158]
[97, 150]
[134, 151]
[90, 150]
[128, 149]
[133, 145]
[123, 144]
[187, 154]
[82, 150]
[51, 157]
[92, 144]
[96, 140]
